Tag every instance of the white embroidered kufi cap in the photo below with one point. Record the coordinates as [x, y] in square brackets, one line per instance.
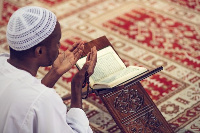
[29, 26]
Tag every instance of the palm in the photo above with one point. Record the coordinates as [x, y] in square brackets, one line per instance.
[68, 58]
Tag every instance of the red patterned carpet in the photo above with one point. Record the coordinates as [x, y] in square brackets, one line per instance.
[146, 33]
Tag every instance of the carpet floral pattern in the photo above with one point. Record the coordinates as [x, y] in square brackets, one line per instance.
[148, 33]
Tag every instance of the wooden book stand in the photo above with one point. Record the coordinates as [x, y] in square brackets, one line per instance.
[129, 104]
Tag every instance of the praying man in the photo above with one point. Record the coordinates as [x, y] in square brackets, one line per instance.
[30, 105]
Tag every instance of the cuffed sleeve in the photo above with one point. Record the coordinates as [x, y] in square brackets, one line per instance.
[78, 121]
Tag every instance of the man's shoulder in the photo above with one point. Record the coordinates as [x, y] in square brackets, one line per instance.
[5, 55]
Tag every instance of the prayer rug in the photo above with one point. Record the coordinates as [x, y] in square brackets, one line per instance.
[148, 33]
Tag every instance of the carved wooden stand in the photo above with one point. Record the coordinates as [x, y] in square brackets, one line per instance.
[133, 110]
[129, 104]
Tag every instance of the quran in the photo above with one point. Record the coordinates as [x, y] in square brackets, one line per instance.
[110, 71]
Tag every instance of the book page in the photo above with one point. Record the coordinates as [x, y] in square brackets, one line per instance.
[122, 76]
[106, 65]
[108, 62]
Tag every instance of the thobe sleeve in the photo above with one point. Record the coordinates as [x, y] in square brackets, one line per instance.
[78, 120]
[49, 115]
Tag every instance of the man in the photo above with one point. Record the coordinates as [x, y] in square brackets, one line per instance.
[29, 105]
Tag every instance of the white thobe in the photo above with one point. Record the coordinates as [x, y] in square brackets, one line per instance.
[27, 106]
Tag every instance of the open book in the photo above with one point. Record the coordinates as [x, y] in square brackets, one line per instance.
[110, 71]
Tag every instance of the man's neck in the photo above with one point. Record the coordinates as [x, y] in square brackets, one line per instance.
[25, 65]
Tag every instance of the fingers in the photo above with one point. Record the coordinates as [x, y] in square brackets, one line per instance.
[78, 51]
[88, 56]
[92, 57]
[78, 48]
[94, 54]
[71, 48]
[76, 45]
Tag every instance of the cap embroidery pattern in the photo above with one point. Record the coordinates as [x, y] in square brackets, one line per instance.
[29, 26]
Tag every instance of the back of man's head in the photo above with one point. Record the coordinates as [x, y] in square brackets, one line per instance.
[29, 26]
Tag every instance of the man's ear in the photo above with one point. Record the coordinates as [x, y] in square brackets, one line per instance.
[39, 51]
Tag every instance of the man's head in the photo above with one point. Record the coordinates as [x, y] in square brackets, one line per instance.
[34, 32]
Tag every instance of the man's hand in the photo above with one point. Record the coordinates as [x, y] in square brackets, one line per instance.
[63, 63]
[92, 58]
[79, 77]
[68, 58]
